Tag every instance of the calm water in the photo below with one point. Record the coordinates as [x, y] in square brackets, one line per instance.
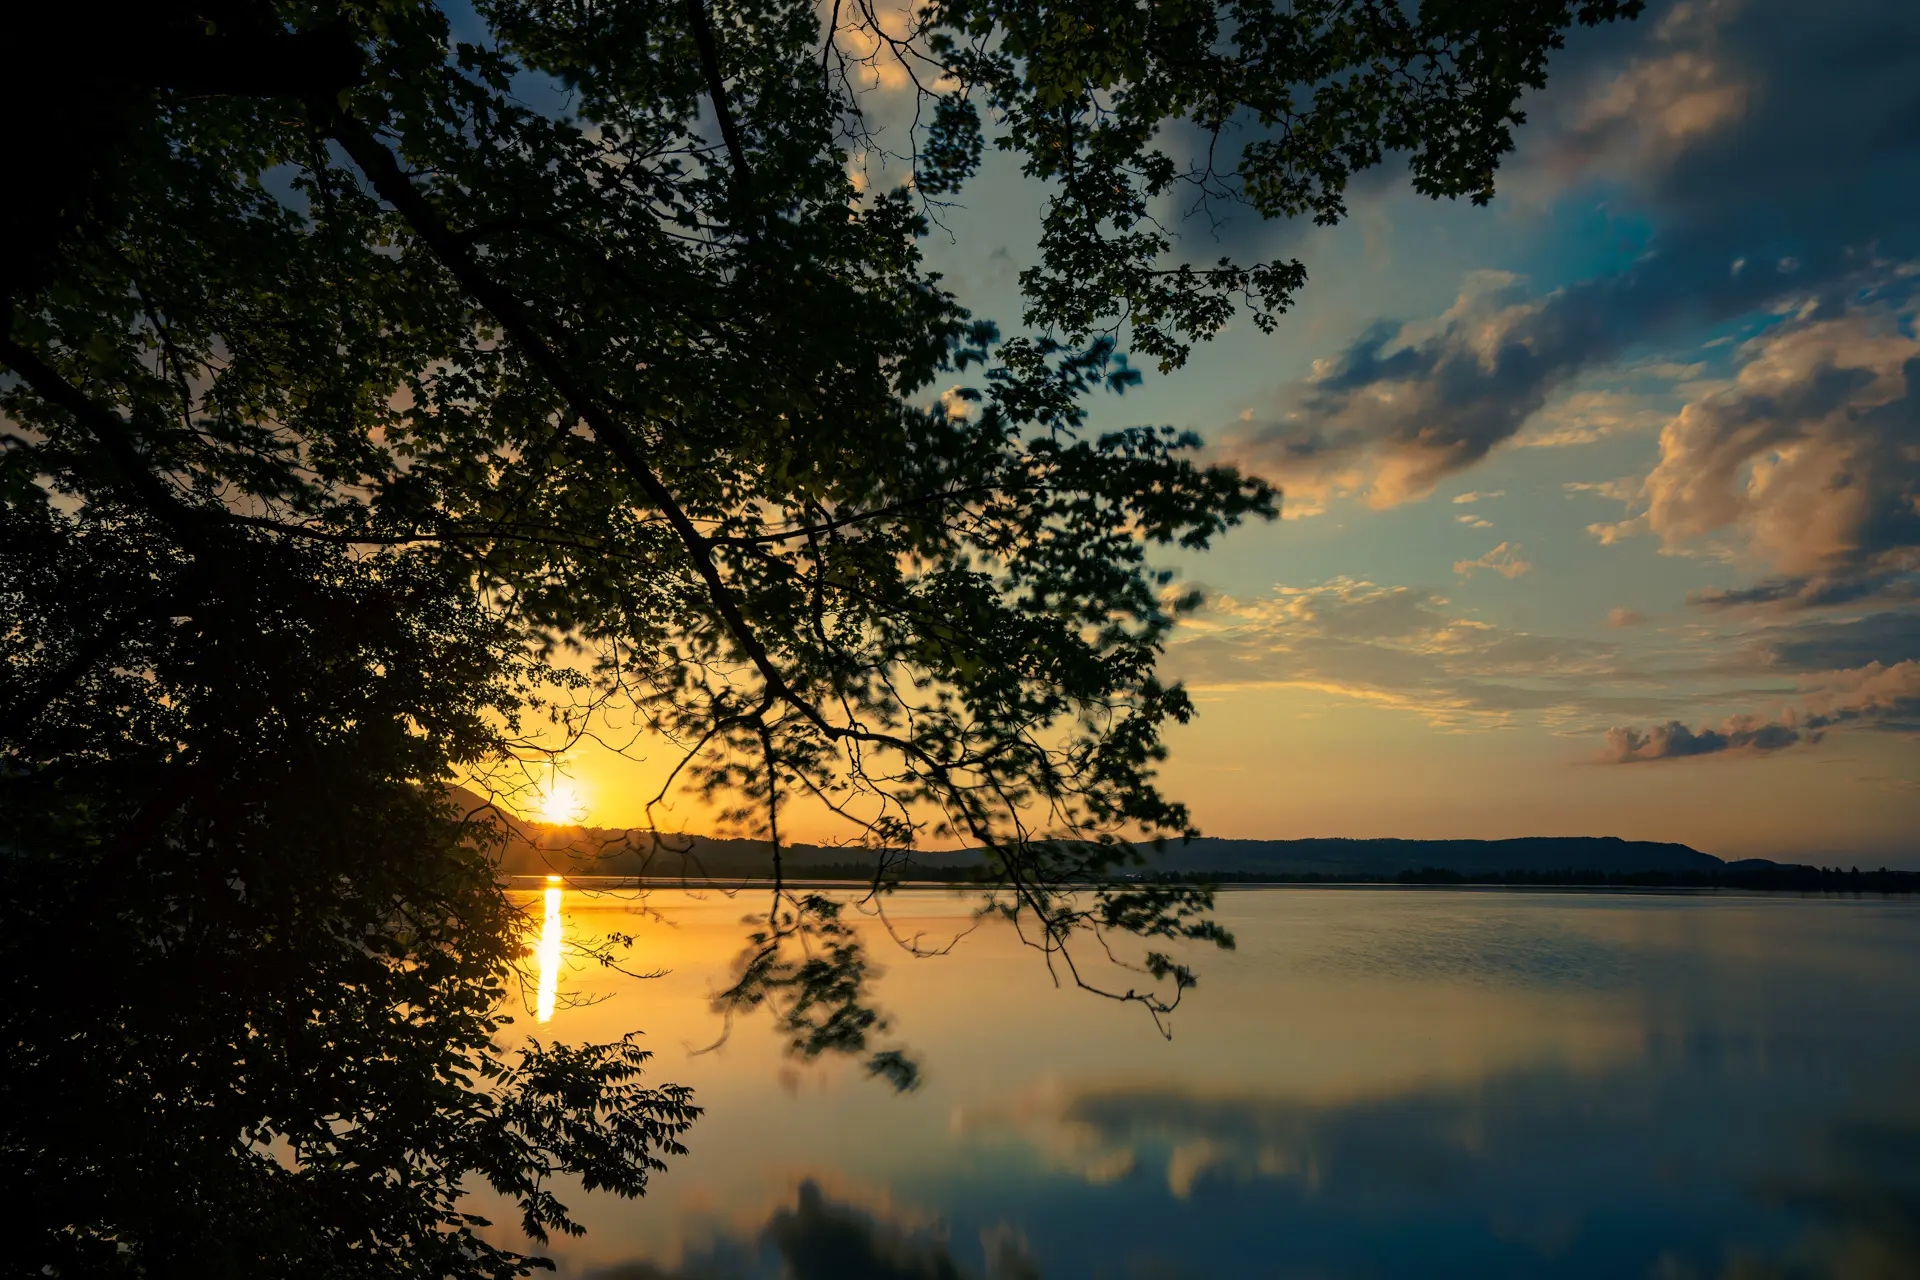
[1378, 1083]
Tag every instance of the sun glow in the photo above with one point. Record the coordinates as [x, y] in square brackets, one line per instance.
[561, 805]
[549, 952]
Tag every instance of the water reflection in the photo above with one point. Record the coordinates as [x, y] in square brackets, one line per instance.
[1375, 1084]
[823, 1237]
[548, 953]
[1517, 1181]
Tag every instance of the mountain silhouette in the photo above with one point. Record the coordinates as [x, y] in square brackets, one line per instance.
[536, 848]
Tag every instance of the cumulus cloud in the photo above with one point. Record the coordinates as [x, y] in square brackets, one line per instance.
[958, 401]
[1462, 498]
[1474, 522]
[1400, 410]
[1405, 406]
[1885, 697]
[1674, 740]
[1504, 560]
[1624, 618]
[1728, 130]
[1681, 85]
[1811, 456]
[1874, 696]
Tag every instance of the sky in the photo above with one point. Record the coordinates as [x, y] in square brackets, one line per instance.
[1602, 502]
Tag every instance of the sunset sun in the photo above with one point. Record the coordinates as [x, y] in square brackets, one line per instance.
[561, 805]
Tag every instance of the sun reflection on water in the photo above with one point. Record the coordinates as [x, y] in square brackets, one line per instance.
[549, 952]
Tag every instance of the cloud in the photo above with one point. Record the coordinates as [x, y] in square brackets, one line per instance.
[1625, 489]
[1752, 133]
[958, 401]
[1885, 697]
[1583, 415]
[1474, 522]
[1811, 456]
[1888, 638]
[1873, 696]
[1461, 498]
[1813, 592]
[1405, 648]
[1716, 101]
[1624, 618]
[1674, 740]
[1397, 411]
[1504, 560]
[1681, 87]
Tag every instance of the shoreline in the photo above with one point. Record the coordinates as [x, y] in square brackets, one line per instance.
[593, 883]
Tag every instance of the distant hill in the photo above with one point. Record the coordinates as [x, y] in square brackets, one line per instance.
[1386, 858]
[535, 848]
[539, 849]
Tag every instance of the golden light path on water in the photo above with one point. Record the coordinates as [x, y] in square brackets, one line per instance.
[549, 952]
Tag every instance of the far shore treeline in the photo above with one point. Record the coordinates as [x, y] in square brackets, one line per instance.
[540, 849]
[1767, 876]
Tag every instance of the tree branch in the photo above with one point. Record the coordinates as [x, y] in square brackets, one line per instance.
[115, 437]
[519, 323]
[722, 111]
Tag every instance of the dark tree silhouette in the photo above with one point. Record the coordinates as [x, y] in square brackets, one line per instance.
[361, 419]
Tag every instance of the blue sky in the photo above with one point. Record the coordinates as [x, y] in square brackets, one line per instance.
[1604, 500]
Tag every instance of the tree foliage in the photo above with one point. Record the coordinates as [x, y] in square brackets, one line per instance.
[256, 978]
[360, 417]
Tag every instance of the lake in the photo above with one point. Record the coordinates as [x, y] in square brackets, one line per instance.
[1378, 1082]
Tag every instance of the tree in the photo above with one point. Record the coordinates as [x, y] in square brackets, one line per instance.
[359, 414]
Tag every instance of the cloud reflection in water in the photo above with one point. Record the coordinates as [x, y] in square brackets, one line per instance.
[820, 1238]
[1377, 1084]
[1533, 1172]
